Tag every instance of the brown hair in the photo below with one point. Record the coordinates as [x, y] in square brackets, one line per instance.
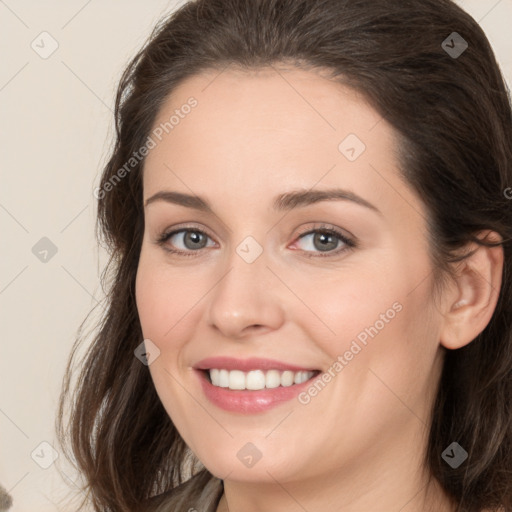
[453, 116]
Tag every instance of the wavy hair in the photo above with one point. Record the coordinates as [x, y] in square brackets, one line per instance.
[453, 116]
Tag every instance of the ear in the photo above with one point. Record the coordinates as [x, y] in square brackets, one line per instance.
[472, 298]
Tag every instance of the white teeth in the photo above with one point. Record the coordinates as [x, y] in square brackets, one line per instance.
[236, 379]
[223, 378]
[257, 379]
[301, 377]
[214, 376]
[287, 378]
[272, 379]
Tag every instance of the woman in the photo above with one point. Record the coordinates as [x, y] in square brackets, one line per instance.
[310, 301]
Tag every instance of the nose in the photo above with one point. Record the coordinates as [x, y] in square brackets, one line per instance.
[246, 300]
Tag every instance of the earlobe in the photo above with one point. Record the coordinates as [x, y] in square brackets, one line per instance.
[478, 283]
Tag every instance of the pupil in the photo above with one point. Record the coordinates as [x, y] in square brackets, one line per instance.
[325, 239]
[194, 237]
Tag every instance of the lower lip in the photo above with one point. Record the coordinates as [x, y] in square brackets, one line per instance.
[246, 401]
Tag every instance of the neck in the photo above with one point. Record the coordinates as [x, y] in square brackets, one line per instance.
[393, 479]
[287, 498]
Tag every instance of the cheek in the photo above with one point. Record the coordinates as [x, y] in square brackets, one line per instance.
[165, 298]
[381, 355]
[165, 302]
[378, 314]
[347, 303]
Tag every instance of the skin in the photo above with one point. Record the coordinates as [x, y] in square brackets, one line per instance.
[357, 445]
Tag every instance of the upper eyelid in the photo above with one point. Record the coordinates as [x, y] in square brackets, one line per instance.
[322, 227]
[327, 227]
[175, 230]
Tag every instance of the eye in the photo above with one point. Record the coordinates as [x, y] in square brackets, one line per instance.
[323, 241]
[184, 241]
[326, 240]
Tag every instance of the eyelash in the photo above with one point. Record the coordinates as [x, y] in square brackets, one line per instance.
[349, 243]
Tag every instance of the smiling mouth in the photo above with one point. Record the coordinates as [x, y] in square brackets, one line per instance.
[255, 380]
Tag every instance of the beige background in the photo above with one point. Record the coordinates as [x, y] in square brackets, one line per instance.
[56, 122]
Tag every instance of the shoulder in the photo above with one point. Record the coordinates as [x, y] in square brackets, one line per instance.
[201, 493]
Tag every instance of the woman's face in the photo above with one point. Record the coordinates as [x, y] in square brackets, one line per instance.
[259, 283]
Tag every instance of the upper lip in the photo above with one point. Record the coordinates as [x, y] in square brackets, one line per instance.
[245, 365]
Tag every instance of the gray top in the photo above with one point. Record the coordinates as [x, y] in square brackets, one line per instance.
[201, 493]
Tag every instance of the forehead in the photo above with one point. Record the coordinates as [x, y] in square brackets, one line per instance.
[294, 102]
[269, 129]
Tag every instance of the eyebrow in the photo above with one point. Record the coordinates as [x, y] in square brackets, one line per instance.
[283, 202]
